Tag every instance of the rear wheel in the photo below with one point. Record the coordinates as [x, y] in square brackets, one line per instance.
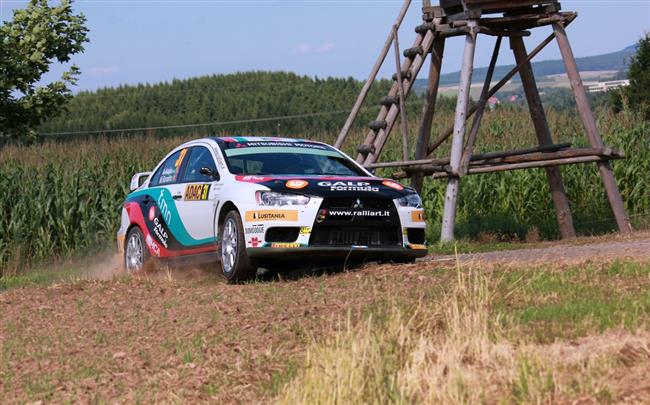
[136, 254]
[235, 263]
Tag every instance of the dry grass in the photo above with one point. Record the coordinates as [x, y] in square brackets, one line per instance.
[457, 353]
[380, 334]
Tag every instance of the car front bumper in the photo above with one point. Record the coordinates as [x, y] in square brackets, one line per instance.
[324, 253]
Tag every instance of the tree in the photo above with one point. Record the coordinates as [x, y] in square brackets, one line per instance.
[637, 94]
[38, 36]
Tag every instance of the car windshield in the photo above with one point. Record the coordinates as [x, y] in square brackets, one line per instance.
[305, 160]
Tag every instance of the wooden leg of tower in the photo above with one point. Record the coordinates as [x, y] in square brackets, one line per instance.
[429, 109]
[560, 200]
[458, 139]
[587, 116]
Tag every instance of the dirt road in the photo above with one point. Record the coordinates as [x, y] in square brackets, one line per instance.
[188, 336]
[606, 249]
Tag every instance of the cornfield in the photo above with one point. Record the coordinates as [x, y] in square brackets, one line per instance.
[63, 199]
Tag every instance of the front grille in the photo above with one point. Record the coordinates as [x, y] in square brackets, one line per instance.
[329, 236]
[356, 222]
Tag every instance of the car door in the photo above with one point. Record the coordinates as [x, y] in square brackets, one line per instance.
[199, 202]
[163, 192]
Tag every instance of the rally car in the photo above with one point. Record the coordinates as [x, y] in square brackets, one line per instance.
[250, 202]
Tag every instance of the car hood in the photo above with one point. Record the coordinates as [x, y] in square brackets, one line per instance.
[330, 186]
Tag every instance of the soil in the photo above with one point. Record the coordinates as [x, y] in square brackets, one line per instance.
[186, 336]
[578, 251]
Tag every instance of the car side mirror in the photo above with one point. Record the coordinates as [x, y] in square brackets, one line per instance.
[206, 171]
[136, 180]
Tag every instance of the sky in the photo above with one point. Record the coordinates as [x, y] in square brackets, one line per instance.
[138, 41]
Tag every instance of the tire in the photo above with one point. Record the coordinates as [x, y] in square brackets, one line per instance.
[235, 264]
[136, 254]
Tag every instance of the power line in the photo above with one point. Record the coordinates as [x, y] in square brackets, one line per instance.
[218, 123]
[207, 124]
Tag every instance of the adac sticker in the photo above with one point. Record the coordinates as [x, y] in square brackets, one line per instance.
[272, 215]
[197, 192]
[305, 230]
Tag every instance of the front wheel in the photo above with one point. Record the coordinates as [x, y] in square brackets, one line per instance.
[235, 264]
[136, 254]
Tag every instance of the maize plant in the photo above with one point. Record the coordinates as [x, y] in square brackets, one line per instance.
[63, 199]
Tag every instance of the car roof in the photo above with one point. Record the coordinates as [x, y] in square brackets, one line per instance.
[246, 139]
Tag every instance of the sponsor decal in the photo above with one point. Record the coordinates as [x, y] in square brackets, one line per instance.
[392, 184]
[120, 243]
[255, 230]
[359, 213]
[152, 213]
[253, 179]
[160, 232]
[170, 174]
[197, 192]
[254, 242]
[285, 245]
[322, 215]
[415, 246]
[164, 209]
[348, 186]
[271, 215]
[417, 216]
[296, 184]
[153, 246]
[179, 161]
[220, 162]
[257, 144]
[305, 230]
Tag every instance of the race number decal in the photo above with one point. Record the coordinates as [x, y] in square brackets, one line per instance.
[197, 192]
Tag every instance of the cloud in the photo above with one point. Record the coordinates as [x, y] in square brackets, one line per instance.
[304, 48]
[325, 48]
[103, 70]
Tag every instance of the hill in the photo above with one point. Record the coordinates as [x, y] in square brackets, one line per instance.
[241, 97]
[615, 61]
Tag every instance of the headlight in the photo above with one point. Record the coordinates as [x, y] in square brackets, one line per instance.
[411, 200]
[270, 198]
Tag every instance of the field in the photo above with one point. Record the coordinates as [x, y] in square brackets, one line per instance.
[561, 323]
[62, 199]
[527, 320]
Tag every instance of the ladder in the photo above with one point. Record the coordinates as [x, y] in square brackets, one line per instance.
[381, 127]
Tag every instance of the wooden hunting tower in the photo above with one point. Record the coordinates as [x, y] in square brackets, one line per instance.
[468, 18]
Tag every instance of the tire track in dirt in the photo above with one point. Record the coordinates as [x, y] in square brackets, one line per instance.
[185, 334]
[634, 248]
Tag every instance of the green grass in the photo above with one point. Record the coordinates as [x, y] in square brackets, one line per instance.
[38, 278]
[573, 302]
